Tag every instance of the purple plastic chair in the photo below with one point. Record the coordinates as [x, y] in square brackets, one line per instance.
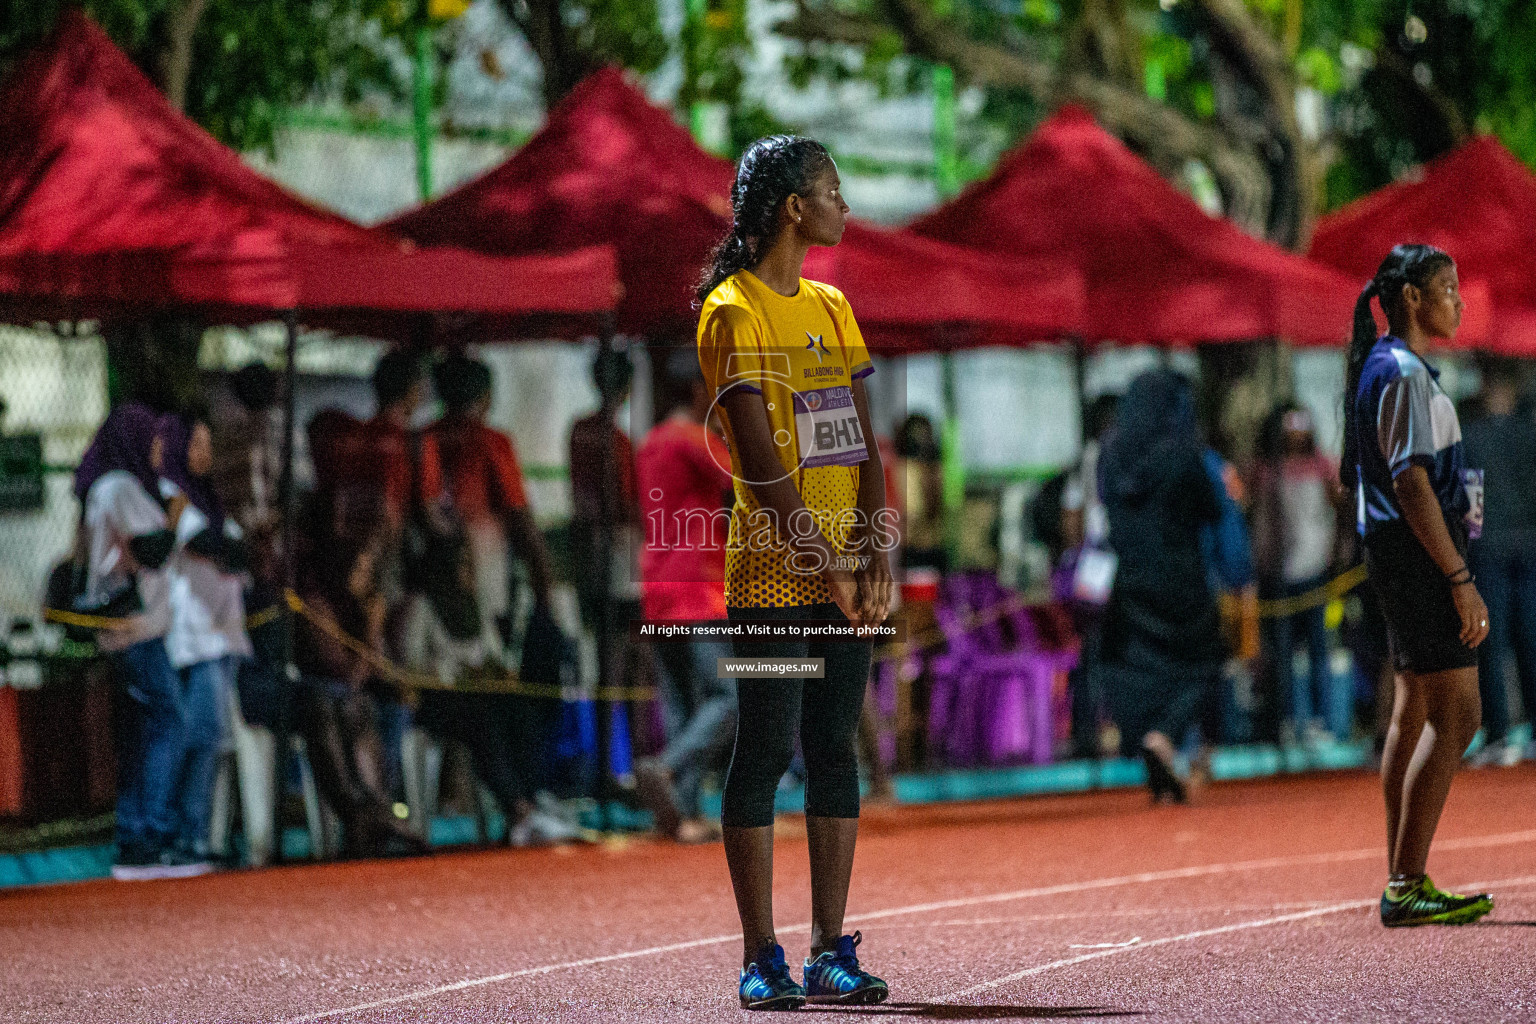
[993, 698]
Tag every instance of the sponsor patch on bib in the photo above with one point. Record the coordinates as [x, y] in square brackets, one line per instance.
[827, 426]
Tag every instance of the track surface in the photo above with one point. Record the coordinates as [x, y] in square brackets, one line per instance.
[1256, 905]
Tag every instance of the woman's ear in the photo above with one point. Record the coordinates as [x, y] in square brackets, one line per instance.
[157, 454]
[794, 208]
[1412, 295]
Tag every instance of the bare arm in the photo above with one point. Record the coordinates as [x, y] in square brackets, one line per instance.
[528, 542]
[1422, 511]
[874, 578]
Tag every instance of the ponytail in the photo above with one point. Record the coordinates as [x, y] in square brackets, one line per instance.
[733, 254]
[1410, 263]
[1361, 339]
[771, 170]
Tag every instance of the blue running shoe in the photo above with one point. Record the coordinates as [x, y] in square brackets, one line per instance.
[766, 983]
[836, 977]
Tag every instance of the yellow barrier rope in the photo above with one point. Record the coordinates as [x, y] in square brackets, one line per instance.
[934, 636]
[1330, 591]
[507, 684]
[929, 639]
[503, 684]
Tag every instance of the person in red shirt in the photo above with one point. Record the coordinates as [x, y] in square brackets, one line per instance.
[475, 467]
[612, 373]
[683, 469]
[384, 443]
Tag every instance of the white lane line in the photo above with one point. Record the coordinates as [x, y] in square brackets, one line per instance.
[1474, 842]
[459, 986]
[1083, 958]
[1175, 874]
[1204, 933]
[974, 922]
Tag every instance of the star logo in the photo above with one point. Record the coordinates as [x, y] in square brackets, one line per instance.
[816, 345]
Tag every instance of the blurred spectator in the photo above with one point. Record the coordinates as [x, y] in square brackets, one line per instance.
[1161, 640]
[684, 477]
[247, 452]
[207, 638]
[594, 438]
[481, 477]
[386, 441]
[1082, 521]
[1082, 510]
[440, 633]
[604, 506]
[341, 586]
[921, 471]
[1502, 443]
[1229, 558]
[373, 472]
[1295, 525]
[128, 537]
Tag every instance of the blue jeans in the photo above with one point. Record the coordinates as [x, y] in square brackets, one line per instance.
[1317, 686]
[203, 688]
[700, 712]
[152, 747]
[1507, 582]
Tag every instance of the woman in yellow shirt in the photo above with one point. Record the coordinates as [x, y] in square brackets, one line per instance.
[808, 539]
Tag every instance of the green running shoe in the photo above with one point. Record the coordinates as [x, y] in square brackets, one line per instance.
[1423, 903]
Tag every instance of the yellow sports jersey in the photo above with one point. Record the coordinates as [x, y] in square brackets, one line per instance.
[802, 355]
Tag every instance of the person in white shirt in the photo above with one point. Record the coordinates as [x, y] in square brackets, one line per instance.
[207, 638]
[129, 536]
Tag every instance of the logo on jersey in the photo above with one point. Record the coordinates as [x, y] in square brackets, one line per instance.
[816, 345]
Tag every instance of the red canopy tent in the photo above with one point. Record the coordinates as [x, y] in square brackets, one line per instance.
[914, 294]
[110, 201]
[1478, 203]
[611, 167]
[1158, 268]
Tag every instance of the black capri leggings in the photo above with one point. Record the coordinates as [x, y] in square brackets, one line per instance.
[771, 711]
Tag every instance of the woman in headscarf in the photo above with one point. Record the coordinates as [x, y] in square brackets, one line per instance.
[127, 537]
[1162, 634]
[207, 638]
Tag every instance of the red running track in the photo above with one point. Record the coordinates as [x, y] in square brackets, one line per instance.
[1256, 905]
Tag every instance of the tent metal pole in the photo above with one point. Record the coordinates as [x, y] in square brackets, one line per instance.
[608, 508]
[421, 108]
[952, 462]
[288, 501]
[1080, 370]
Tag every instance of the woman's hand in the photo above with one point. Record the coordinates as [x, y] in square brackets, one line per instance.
[1473, 612]
[844, 586]
[876, 587]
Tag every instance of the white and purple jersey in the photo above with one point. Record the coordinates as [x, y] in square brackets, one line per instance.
[1404, 418]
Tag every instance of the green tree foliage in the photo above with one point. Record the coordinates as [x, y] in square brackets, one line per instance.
[572, 38]
[1435, 71]
[233, 65]
[1396, 81]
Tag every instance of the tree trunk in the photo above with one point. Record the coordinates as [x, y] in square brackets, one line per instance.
[174, 61]
[1260, 108]
[562, 63]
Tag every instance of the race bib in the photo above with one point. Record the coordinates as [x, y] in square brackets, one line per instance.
[827, 426]
[1472, 480]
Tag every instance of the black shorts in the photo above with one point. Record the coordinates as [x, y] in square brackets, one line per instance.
[1422, 623]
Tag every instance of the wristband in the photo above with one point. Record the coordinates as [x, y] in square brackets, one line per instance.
[1456, 579]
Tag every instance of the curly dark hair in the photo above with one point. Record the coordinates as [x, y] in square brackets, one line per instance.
[771, 170]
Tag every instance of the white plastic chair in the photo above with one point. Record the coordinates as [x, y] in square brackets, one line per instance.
[248, 764]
